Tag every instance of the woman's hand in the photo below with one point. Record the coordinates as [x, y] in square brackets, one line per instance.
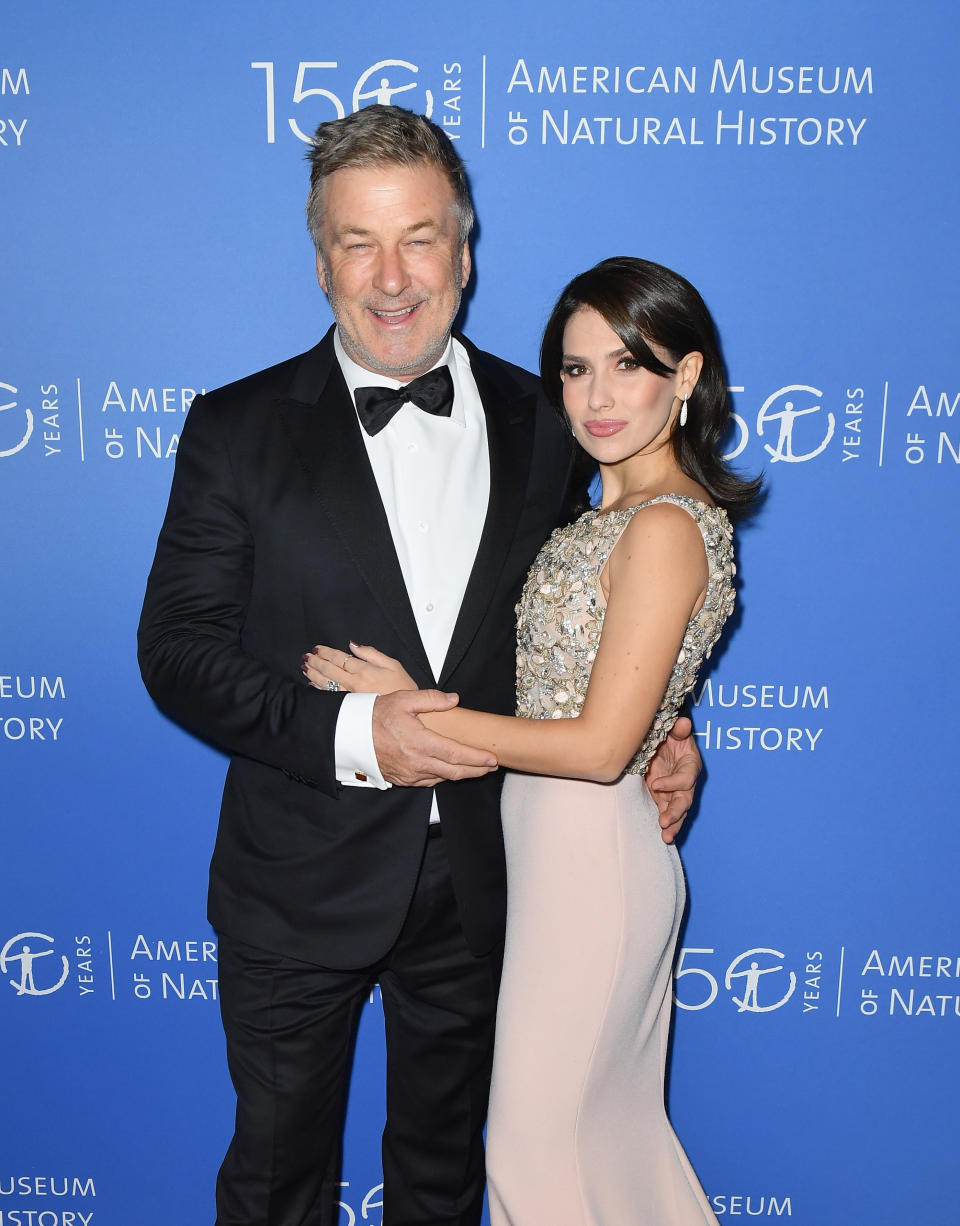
[364, 671]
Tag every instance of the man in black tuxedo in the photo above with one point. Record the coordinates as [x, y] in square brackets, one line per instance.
[312, 503]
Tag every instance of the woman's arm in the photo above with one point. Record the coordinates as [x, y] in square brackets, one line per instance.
[656, 575]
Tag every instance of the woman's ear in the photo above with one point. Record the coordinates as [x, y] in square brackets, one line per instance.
[688, 372]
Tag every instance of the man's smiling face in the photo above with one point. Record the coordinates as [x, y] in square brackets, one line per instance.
[392, 264]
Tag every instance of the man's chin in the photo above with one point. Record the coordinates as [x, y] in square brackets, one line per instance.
[401, 362]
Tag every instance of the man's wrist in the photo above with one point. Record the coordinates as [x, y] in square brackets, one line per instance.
[354, 753]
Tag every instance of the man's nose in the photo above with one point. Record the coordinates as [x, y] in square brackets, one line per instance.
[391, 274]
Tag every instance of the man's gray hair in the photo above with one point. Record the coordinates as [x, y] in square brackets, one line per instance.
[380, 136]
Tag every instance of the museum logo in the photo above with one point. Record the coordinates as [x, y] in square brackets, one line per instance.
[792, 423]
[328, 91]
[757, 980]
[24, 958]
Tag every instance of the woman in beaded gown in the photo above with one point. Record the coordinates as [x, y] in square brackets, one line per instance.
[619, 610]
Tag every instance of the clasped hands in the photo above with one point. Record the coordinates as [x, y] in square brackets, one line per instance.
[411, 755]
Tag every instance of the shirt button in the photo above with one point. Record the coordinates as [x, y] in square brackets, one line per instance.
[429, 606]
[411, 446]
[423, 526]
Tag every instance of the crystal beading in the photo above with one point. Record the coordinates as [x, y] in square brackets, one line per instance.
[560, 617]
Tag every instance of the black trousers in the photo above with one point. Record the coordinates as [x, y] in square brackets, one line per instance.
[290, 1029]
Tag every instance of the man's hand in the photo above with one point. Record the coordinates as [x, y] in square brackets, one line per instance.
[672, 777]
[410, 754]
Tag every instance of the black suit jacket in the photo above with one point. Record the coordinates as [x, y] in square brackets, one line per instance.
[275, 538]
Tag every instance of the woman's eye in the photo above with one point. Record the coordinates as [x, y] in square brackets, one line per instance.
[629, 364]
[573, 369]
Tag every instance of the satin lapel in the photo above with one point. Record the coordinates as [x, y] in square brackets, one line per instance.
[509, 411]
[322, 425]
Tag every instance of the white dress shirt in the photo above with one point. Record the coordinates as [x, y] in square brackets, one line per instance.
[433, 474]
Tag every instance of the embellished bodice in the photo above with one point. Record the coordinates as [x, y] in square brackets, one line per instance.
[560, 617]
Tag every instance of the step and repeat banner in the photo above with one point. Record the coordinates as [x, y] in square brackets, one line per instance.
[798, 162]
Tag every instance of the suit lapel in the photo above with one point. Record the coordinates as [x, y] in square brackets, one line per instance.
[322, 425]
[509, 411]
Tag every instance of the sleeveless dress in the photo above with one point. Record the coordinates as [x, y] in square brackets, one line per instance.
[577, 1132]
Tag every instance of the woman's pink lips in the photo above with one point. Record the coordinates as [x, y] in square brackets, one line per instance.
[603, 429]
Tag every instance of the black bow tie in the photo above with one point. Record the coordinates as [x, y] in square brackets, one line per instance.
[432, 392]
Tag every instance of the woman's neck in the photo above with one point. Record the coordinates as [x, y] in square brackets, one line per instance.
[641, 478]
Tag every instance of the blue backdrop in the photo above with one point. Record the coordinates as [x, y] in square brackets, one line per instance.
[797, 161]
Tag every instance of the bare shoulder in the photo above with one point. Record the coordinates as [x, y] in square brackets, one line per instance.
[662, 543]
[664, 525]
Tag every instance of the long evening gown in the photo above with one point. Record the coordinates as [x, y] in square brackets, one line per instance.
[577, 1131]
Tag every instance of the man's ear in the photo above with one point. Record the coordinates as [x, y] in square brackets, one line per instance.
[322, 273]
